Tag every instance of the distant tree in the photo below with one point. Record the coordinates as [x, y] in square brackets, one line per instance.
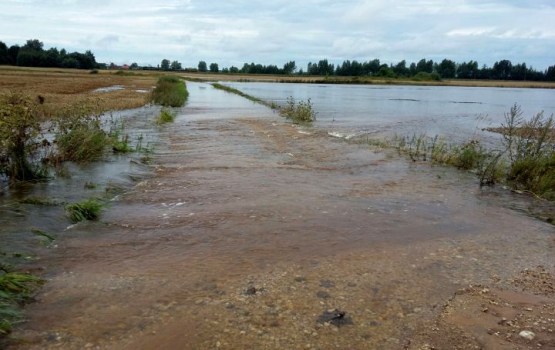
[447, 69]
[175, 65]
[550, 73]
[4, 56]
[134, 65]
[70, 62]
[165, 64]
[425, 66]
[233, 69]
[289, 67]
[401, 69]
[519, 72]
[33, 44]
[372, 67]
[13, 51]
[502, 70]
[202, 67]
[467, 70]
[214, 68]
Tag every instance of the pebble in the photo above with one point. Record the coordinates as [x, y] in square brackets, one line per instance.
[527, 335]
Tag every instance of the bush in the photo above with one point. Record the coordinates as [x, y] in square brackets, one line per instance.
[530, 145]
[298, 112]
[20, 128]
[80, 136]
[165, 116]
[85, 210]
[170, 91]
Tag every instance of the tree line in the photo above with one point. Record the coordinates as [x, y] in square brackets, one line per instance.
[423, 69]
[33, 54]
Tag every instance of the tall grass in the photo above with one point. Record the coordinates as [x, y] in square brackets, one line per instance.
[526, 160]
[165, 116]
[15, 290]
[88, 209]
[530, 146]
[170, 91]
[20, 131]
[300, 112]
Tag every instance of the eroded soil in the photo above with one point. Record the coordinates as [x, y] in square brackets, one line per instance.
[252, 233]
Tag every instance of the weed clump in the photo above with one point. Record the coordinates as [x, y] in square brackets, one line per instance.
[300, 112]
[165, 116]
[79, 135]
[170, 91]
[15, 290]
[20, 128]
[88, 209]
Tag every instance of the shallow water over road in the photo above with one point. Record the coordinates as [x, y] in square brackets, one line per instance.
[249, 231]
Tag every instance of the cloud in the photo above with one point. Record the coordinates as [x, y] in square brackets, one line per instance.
[237, 31]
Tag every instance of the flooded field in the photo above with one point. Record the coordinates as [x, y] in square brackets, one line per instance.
[246, 232]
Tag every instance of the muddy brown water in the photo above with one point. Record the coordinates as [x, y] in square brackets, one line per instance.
[306, 224]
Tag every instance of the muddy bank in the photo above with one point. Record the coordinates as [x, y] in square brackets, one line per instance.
[249, 232]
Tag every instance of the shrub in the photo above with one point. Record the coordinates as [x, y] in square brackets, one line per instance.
[170, 91]
[79, 135]
[88, 209]
[20, 128]
[530, 145]
[298, 112]
[165, 116]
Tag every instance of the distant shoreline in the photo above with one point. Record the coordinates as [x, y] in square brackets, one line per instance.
[364, 80]
[269, 78]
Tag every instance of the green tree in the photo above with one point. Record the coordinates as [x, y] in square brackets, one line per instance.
[4, 56]
[165, 64]
[134, 65]
[214, 68]
[502, 70]
[289, 67]
[401, 69]
[447, 69]
[175, 65]
[202, 67]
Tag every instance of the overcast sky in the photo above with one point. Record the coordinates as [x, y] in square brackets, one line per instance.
[232, 32]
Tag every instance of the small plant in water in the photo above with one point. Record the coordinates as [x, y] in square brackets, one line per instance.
[88, 209]
[298, 112]
[165, 116]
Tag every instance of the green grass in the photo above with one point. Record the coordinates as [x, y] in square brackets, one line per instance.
[15, 290]
[165, 116]
[300, 112]
[88, 209]
[170, 91]
[242, 94]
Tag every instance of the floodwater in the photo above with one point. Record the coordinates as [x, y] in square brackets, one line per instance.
[247, 232]
[452, 112]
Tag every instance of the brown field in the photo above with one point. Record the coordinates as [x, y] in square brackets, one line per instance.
[66, 87]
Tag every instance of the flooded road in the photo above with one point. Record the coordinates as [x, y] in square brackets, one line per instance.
[251, 231]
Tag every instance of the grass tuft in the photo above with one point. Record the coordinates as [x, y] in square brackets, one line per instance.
[300, 112]
[15, 290]
[88, 209]
[165, 116]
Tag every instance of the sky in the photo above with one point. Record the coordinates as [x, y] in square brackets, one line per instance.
[232, 32]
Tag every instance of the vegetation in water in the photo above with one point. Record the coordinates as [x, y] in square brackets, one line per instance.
[165, 116]
[526, 161]
[88, 209]
[170, 91]
[16, 289]
[20, 131]
[298, 111]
